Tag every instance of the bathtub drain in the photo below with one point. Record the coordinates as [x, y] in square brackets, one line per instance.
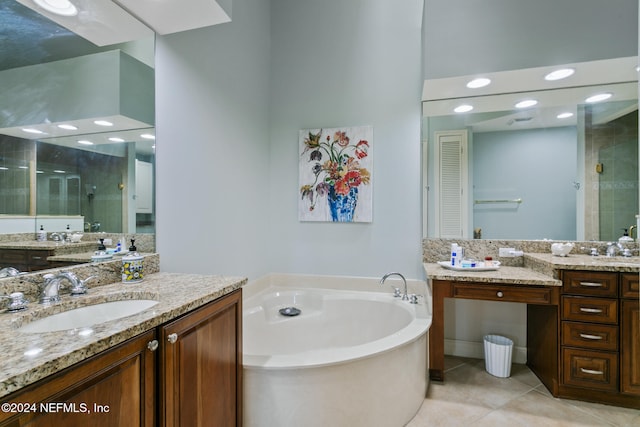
[290, 311]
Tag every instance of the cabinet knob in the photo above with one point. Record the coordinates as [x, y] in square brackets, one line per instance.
[153, 345]
[172, 338]
[500, 294]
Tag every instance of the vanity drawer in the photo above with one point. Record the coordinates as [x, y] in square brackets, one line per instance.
[511, 293]
[38, 257]
[590, 369]
[585, 309]
[10, 257]
[629, 285]
[590, 335]
[591, 283]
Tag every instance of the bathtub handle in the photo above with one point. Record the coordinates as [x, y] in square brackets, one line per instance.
[172, 338]
[396, 293]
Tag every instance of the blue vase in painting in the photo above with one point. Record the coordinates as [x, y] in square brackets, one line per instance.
[342, 206]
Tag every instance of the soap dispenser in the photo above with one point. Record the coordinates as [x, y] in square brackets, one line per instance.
[625, 237]
[132, 265]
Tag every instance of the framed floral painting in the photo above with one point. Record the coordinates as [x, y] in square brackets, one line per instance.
[335, 174]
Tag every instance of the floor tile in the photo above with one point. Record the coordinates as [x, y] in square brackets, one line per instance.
[470, 396]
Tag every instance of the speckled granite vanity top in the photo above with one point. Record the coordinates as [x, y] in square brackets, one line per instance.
[537, 269]
[505, 275]
[545, 261]
[28, 357]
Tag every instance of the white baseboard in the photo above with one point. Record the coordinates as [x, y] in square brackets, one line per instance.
[475, 350]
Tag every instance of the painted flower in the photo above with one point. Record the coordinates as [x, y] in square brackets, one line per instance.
[340, 169]
[362, 149]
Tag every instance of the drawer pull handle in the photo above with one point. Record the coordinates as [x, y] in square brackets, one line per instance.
[591, 371]
[36, 257]
[590, 337]
[590, 310]
[500, 294]
[591, 284]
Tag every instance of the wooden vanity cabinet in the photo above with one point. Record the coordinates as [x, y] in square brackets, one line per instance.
[25, 259]
[186, 372]
[201, 366]
[599, 357]
[114, 388]
[630, 335]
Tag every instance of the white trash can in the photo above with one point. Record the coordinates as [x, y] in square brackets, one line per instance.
[497, 355]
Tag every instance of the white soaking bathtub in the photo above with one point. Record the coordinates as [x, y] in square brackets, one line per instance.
[352, 357]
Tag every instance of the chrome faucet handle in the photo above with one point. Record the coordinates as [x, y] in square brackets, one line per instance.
[396, 292]
[80, 287]
[413, 299]
[9, 272]
[17, 301]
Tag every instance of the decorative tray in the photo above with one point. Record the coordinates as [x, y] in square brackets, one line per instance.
[482, 267]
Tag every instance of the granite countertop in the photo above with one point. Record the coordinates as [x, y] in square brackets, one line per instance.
[582, 262]
[538, 269]
[504, 275]
[50, 245]
[86, 257]
[29, 357]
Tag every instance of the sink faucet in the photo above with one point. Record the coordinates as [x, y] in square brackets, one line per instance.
[51, 286]
[405, 297]
[613, 248]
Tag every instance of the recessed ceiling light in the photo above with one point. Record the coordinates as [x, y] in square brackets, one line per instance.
[59, 171]
[23, 167]
[68, 127]
[32, 130]
[84, 142]
[59, 7]
[479, 82]
[599, 97]
[526, 103]
[103, 123]
[463, 108]
[560, 74]
[564, 115]
[115, 139]
[148, 136]
[2, 168]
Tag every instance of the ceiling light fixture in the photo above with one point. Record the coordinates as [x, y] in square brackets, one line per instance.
[463, 108]
[148, 136]
[67, 127]
[478, 83]
[59, 171]
[560, 74]
[84, 142]
[526, 103]
[564, 115]
[32, 130]
[59, 7]
[103, 123]
[599, 97]
[3, 168]
[115, 139]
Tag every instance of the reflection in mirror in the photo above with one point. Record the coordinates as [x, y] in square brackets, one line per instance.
[563, 169]
[71, 118]
[55, 160]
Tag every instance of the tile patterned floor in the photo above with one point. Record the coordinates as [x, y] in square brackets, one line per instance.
[472, 397]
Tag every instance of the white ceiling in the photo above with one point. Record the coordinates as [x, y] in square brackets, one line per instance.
[109, 22]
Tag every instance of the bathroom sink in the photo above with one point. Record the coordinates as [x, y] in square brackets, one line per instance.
[87, 316]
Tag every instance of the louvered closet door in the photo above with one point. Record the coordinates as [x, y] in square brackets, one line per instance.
[451, 176]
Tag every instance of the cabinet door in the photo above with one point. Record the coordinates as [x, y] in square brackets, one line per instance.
[630, 348]
[113, 388]
[201, 366]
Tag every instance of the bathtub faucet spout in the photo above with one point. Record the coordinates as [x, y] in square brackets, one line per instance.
[405, 297]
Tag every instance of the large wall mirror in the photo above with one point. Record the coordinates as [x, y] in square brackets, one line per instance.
[77, 142]
[563, 166]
